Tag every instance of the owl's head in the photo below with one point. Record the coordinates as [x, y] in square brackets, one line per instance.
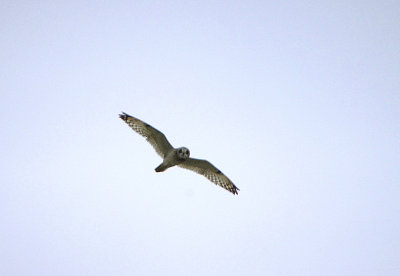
[183, 153]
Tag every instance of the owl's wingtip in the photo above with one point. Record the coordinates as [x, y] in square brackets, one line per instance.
[235, 191]
[123, 115]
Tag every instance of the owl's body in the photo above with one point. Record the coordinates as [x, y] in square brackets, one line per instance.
[177, 156]
[173, 158]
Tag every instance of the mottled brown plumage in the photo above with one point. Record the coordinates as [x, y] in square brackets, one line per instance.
[177, 156]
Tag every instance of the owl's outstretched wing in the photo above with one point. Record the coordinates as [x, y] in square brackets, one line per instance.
[212, 173]
[155, 137]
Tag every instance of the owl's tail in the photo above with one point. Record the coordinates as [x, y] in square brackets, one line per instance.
[161, 168]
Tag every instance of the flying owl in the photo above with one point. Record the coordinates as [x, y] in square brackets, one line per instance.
[177, 156]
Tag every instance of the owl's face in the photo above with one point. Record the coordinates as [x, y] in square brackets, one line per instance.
[183, 153]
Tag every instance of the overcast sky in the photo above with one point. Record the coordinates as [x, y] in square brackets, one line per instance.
[298, 102]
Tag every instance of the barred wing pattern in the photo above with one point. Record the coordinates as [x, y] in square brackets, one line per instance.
[155, 137]
[207, 169]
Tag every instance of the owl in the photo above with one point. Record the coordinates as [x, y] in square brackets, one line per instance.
[177, 156]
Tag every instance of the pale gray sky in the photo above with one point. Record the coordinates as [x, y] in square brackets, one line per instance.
[297, 102]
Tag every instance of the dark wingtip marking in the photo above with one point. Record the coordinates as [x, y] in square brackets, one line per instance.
[235, 190]
[219, 172]
[124, 116]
